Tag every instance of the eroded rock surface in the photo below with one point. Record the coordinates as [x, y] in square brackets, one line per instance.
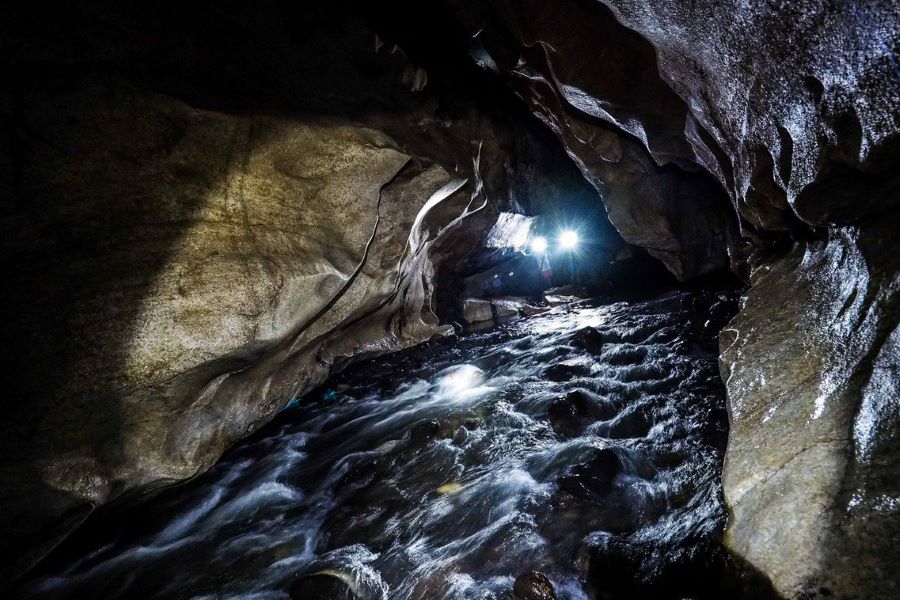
[810, 364]
[231, 281]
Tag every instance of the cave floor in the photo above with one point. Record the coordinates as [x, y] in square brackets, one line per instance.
[585, 443]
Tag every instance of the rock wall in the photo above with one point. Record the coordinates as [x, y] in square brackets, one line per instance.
[810, 365]
[594, 83]
[186, 276]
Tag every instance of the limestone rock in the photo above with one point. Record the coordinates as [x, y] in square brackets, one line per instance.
[810, 365]
[477, 310]
[188, 275]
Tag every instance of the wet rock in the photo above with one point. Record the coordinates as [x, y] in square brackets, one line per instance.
[322, 586]
[570, 414]
[564, 295]
[533, 586]
[631, 423]
[564, 372]
[811, 370]
[530, 310]
[592, 480]
[508, 306]
[476, 310]
[424, 431]
[588, 338]
[460, 435]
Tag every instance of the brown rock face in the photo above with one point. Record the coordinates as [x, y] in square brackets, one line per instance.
[176, 274]
[197, 271]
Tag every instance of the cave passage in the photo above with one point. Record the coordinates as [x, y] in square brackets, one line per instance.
[456, 299]
[584, 443]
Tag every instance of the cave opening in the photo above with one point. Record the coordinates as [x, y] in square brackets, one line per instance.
[502, 299]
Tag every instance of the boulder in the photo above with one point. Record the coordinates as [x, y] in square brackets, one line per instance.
[533, 586]
[570, 414]
[589, 339]
[508, 306]
[592, 480]
[476, 310]
[565, 372]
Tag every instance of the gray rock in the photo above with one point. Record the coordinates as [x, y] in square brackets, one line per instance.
[476, 310]
[810, 365]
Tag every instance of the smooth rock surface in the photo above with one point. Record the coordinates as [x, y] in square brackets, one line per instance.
[477, 310]
[810, 365]
[231, 282]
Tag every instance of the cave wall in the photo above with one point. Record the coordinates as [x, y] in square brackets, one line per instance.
[594, 83]
[791, 110]
[206, 212]
[810, 367]
[187, 275]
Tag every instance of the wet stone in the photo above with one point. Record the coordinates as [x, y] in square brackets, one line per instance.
[533, 586]
[321, 586]
[562, 372]
[592, 479]
[579, 408]
[460, 435]
[589, 339]
[631, 424]
[424, 431]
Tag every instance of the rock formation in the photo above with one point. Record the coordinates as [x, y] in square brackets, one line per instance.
[207, 210]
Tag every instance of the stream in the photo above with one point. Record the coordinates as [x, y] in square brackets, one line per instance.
[584, 443]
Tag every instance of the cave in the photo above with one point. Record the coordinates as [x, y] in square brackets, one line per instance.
[459, 299]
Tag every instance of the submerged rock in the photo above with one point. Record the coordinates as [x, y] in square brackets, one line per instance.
[564, 372]
[588, 338]
[322, 586]
[424, 431]
[570, 414]
[533, 586]
[592, 479]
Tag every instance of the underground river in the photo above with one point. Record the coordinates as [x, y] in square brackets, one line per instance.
[584, 443]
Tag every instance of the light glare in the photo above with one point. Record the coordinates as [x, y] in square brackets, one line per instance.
[539, 244]
[568, 239]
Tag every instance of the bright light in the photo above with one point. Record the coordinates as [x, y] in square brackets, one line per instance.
[539, 244]
[568, 239]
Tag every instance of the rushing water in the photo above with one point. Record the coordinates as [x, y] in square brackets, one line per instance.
[590, 455]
